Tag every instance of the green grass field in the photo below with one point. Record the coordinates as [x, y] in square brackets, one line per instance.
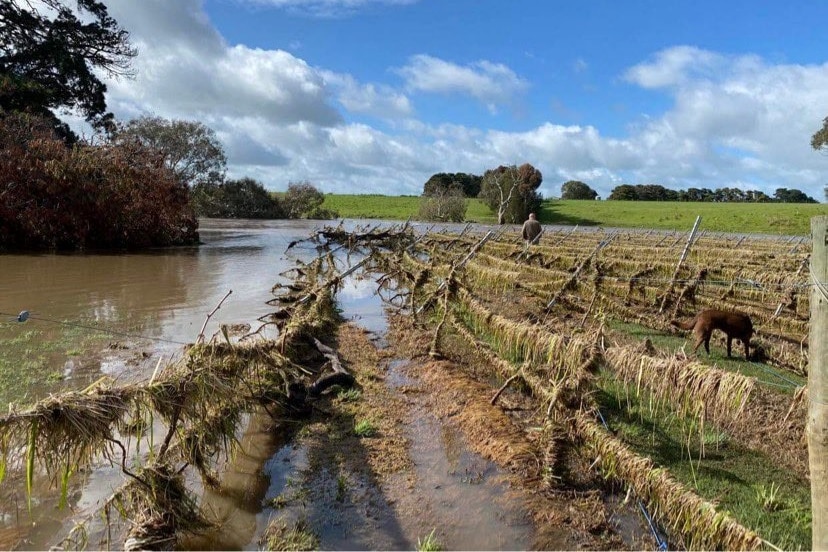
[764, 218]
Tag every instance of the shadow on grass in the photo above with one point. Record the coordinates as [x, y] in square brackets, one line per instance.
[550, 213]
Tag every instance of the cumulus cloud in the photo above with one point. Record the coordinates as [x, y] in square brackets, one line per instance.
[675, 66]
[730, 112]
[492, 83]
[732, 120]
[185, 68]
[377, 100]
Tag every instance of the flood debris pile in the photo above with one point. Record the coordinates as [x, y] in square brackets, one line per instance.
[201, 399]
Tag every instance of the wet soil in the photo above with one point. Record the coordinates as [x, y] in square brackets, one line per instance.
[442, 462]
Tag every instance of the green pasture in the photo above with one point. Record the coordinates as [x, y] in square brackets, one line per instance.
[373, 206]
[770, 500]
[757, 493]
[747, 484]
[759, 218]
[780, 380]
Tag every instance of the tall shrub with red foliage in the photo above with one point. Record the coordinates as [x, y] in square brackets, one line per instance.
[85, 196]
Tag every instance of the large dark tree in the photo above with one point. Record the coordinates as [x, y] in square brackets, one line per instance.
[441, 183]
[242, 198]
[624, 192]
[575, 189]
[85, 197]
[49, 51]
[784, 195]
[511, 192]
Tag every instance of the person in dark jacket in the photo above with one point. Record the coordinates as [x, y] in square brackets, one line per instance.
[532, 230]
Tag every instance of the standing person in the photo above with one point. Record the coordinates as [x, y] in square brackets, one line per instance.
[531, 230]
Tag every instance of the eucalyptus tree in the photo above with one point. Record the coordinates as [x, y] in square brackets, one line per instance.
[443, 205]
[189, 148]
[511, 191]
[575, 189]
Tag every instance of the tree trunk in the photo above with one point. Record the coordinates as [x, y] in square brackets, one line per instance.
[818, 384]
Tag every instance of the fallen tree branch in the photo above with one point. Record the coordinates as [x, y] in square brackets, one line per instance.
[503, 388]
[209, 315]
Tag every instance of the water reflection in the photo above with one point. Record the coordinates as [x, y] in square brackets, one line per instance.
[155, 300]
[144, 306]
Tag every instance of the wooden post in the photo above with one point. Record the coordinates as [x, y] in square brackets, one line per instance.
[782, 302]
[817, 427]
[459, 265]
[559, 242]
[681, 260]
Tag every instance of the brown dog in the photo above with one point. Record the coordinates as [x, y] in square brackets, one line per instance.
[735, 324]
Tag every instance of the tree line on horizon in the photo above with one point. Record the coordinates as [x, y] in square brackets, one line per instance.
[511, 193]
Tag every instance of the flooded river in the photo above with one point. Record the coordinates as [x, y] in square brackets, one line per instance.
[117, 315]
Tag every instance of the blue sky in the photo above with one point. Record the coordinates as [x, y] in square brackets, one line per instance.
[374, 96]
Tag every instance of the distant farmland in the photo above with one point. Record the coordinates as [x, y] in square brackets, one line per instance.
[763, 218]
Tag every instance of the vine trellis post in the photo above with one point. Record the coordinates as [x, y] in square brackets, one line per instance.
[458, 266]
[798, 272]
[559, 242]
[574, 278]
[817, 426]
[680, 262]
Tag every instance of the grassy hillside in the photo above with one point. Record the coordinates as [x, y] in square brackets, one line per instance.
[766, 218]
[394, 207]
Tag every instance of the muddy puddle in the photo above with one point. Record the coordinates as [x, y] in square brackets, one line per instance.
[452, 494]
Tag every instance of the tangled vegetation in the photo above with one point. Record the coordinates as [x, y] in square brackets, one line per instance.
[577, 326]
[85, 196]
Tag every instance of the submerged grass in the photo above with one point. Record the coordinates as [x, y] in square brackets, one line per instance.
[429, 543]
[34, 357]
[740, 481]
[280, 536]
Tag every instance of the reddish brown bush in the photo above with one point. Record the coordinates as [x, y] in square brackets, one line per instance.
[85, 196]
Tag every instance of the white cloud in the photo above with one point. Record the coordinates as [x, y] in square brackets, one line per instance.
[492, 83]
[186, 70]
[674, 67]
[369, 99]
[327, 8]
[733, 120]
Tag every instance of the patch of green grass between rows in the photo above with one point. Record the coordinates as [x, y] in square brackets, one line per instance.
[760, 495]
